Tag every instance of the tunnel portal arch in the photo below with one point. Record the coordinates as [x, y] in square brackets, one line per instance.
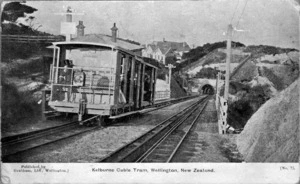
[208, 89]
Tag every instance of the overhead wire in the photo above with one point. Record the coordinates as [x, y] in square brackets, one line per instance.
[234, 11]
[236, 27]
[241, 14]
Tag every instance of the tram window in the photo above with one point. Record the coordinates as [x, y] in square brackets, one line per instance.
[122, 64]
[122, 67]
[147, 84]
[128, 78]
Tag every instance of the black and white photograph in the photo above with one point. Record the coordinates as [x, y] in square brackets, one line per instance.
[200, 91]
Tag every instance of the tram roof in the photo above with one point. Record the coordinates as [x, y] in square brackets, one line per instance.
[105, 40]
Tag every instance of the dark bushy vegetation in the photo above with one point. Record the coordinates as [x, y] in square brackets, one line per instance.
[241, 110]
[265, 49]
[15, 105]
[195, 54]
[208, 73]
[171, 60]
[12, 11]
[239, 113]
[12, 50]
[24, 68]
[129, 41]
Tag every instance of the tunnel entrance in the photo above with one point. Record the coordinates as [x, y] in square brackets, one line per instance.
[208, 89]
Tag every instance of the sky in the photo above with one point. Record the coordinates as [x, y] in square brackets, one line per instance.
[264, 22]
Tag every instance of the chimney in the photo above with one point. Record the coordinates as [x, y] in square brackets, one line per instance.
[114, 33]
[69, 14]
[80, 29]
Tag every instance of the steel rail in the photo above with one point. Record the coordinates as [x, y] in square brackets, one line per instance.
[166, 104]
[39, 133]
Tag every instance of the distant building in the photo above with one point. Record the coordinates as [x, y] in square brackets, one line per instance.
[160, 50]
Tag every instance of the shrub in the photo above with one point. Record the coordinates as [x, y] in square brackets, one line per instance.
[239, 113]
[15, 105]
[12, 50]
[208, 73]
[241, 110]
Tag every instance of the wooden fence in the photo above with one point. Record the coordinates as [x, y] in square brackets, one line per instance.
[31, 39]
[222, 107]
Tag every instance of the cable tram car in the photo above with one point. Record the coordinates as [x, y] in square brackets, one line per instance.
[100, 75]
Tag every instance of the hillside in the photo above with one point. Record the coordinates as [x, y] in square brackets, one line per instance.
[214, 59]
[197, 53]
[255, 82]
[258, 73]
[272, 133]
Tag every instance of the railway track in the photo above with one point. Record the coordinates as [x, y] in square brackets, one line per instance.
[16, 144]
[143, 148]
[20, 143]
[168, 146]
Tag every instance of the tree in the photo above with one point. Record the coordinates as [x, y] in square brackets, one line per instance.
[17, 19]
[14, 10]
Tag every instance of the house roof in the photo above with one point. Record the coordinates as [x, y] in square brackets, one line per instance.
[105, 39]
[153, 47]
[166, 46]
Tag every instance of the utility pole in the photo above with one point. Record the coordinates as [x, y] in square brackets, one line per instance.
[170, 66]
[69, 19]
[69, 27]
[228, 60]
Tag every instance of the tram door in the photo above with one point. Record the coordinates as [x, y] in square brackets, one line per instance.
[128, 78]
[148, 84]
[141, 84]
[122, 98]
[136, 80]
[125, 77]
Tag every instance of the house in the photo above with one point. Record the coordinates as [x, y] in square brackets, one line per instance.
[161, 50]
